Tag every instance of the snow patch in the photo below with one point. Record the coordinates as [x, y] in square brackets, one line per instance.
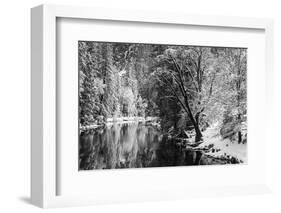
[223, 147]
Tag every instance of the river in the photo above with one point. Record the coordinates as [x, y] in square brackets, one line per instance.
[132, 145]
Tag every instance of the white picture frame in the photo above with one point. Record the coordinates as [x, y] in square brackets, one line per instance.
[43, 107]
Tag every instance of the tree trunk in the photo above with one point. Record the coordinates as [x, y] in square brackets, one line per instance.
[198, 136]
[239, 132]
[238, 88]
[197, 117]
[239, 137]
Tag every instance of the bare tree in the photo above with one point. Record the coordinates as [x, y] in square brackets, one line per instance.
[183, 71]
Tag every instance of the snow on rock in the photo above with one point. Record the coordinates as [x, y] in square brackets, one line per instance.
[222, 147]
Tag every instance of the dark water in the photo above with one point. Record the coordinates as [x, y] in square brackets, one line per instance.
[132, 145]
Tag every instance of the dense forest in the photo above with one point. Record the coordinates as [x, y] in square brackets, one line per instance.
[183, 90]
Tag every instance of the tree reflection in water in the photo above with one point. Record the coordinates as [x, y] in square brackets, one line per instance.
[131, 145]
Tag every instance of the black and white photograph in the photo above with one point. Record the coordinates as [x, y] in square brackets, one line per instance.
[161, 105]
[145, 106]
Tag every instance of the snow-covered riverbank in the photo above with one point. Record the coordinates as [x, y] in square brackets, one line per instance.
[222, 147]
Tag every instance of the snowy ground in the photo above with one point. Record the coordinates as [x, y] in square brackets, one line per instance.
[223, 147]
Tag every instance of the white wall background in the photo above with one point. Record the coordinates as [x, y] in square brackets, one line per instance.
[15, 104]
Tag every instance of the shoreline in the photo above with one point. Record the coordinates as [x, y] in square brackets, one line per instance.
[120, 120]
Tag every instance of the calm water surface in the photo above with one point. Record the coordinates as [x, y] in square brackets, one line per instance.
[131, 145]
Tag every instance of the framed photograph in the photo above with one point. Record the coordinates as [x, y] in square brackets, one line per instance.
[148, 105]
